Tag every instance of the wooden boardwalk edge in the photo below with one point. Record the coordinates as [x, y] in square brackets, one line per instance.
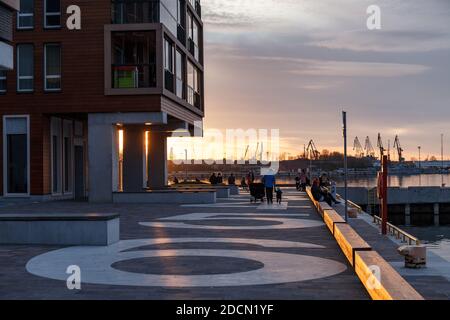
[380, 279]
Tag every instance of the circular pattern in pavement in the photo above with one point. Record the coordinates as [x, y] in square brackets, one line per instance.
[96, 264]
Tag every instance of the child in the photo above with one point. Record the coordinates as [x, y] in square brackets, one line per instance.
[279, 194]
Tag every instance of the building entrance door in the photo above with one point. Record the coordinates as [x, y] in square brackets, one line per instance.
[79, 173]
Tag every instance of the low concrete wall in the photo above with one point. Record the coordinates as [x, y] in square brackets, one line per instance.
[234, 190]
[396, 195]
[175, 197]
[56, 232]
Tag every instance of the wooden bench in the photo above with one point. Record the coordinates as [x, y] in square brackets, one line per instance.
[349, 241]
[385, 283]
[323, 207]
[331, 218]
[89, 229]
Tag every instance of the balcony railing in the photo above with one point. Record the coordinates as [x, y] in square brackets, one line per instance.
[143, 11]
[194, 97]
[169, 78]
[133, 76]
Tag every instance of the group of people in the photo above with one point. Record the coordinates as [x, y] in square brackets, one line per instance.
[302, 181]
[323, 189]
[218, 179]
[269, 182]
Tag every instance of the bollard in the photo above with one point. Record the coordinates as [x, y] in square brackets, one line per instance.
[415, 256]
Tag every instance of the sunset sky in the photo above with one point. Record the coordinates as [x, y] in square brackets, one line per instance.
[295, 64]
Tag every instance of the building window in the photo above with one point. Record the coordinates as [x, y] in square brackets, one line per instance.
[25, 67]
[193, 37]
[193, 83]
[52, 53]
[67, 156]
[25, 17]
[134, 11]
[52, 9]
[180, 74]
[16, 155]
[56, 155]
[169, 65]
[134, 59]
[2, 81]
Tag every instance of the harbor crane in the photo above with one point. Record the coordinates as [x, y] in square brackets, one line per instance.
[312, 152]
[357, 147]
[399, 149]
[380, 146]
[370, 152]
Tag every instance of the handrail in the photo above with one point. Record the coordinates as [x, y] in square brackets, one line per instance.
[394, 230]
[397, 232]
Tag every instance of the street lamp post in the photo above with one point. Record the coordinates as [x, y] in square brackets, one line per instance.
[344, 127]
[420, 167]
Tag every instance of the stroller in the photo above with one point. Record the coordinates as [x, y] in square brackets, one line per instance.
[257, 192]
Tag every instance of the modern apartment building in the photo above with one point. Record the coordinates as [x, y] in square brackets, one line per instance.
[97, 89]
[7, 9]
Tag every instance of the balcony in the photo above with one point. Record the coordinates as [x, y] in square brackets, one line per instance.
[124, 12]
[168, 82]
[133, 76]
[194, 98]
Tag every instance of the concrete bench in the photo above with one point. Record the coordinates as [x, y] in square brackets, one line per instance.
[234, 190]
[172, 196]
[323, 207]
[349, 241]
[385, 283]
[60, 229]
[222, 191]
[331, 218]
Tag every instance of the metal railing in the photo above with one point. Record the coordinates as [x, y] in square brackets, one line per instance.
[393, 230]
[397, 232]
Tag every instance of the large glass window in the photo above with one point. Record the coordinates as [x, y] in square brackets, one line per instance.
[52, 9]
[25, 17]
[16, 156]
[193, 37]
[180, 74]
[56, 128]
[2, 81]
[134, 11]
[134, 59]
[193, 83]
[25, 67]
[169, 65]
[52, 67]
[168, 14]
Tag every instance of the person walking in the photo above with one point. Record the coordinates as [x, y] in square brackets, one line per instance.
[269, 183]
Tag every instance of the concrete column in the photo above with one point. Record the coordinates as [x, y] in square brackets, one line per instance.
[407, 214]
[133, 158]
[100, 139]
[157, 160]
[436, 214]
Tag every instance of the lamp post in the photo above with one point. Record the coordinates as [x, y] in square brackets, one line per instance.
[420, 167]
[442, 161]
[344, 131]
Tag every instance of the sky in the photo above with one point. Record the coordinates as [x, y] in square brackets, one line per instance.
[294, 65]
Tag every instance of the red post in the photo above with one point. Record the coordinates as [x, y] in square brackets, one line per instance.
[384, 200]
